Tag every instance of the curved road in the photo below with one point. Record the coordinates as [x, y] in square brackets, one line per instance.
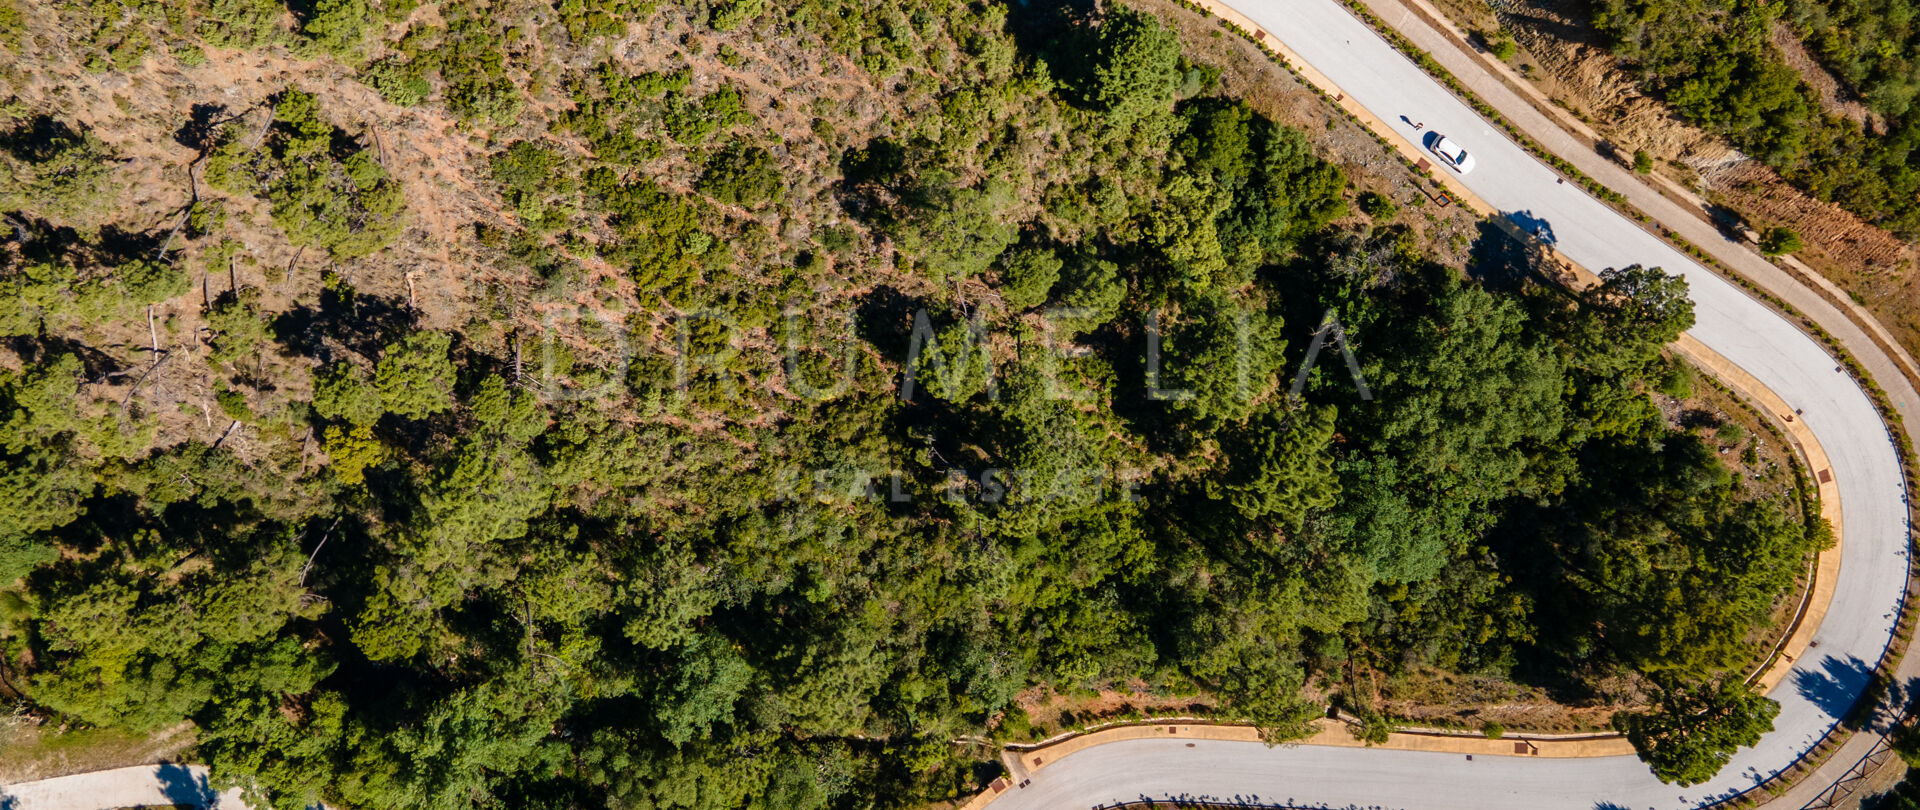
[1823, 683]
[1857, 628]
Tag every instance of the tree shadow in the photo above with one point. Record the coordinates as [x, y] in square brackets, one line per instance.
[363, 324]
[1728, 222]
[884, 319]
[1058, 34]
[1837, 687]
[117, 246]
[202, 125]
[1532, 226]
[871, 178]
[1499, 261]
[1549, 17]
[38, 139]
[184, 788]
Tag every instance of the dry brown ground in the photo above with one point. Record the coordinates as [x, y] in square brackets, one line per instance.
[137, 115]
[1051, 712]
[1833, 95]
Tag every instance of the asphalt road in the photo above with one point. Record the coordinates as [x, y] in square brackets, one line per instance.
[1824, 682]
[1857, 629]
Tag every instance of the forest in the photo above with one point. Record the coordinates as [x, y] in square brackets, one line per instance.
[1716, 62]
[781, 442]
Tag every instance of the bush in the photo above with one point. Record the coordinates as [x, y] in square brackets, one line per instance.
[732, 14]
[1027, 276]
[347, 206]
[233, 404]
[1137, 69]
[1779, 241]
[741, 175]
[415, 376]
[1377, 206]
[400, 82]
[1677, 381]
[1503, 47]
[343, 391]
[1642, 162]
[692, 122]
[1492, 730]
[57, 173]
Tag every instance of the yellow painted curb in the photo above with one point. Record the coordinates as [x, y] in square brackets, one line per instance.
[1827, 566]
[1334, 733]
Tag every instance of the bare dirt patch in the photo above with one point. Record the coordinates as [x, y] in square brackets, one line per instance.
[1834, 97]
[1051, 713]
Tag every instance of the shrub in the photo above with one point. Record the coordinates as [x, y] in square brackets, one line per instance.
[57, 173]
[348, 206]
[692, 122]
[415, 376]
[1780, 240]
[400, 82]
[741, 175]
[732, 14]
[1642, 162]
[342, 391]
[1137, 69]
[233, 404]
[1027, 276]
[1377, 206]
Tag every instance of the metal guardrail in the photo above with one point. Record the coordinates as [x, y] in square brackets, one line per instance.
[1843, 789]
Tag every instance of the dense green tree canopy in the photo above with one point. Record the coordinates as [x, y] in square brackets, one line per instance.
[565, 455]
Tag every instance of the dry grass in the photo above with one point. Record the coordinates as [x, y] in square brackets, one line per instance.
[31, 751]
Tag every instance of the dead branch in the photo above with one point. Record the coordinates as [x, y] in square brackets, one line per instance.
[194, 186]
[229, 432]
[260, 136]
[20, 232]
[316, 551]
[128, 399]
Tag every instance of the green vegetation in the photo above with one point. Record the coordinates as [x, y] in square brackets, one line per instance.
[1378, 206]
[1691, 734]
[1778, 241]
[1500, 44]
[772, 441]
[48, 168]
[1714, 61]
[346, 205]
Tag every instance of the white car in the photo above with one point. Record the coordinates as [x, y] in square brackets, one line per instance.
[1451, 154]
